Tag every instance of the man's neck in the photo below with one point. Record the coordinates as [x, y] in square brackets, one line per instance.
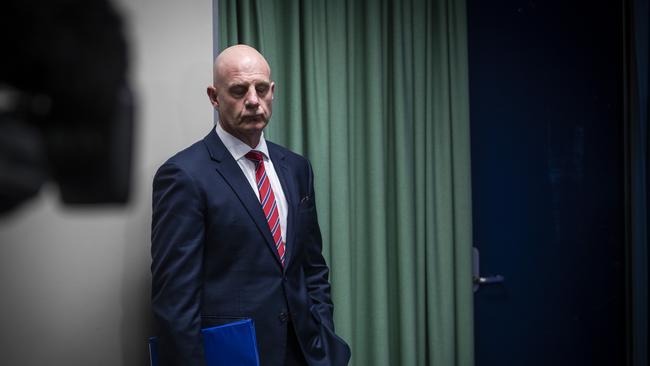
[252, 140]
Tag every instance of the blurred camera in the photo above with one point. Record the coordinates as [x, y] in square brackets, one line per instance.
[66, 109]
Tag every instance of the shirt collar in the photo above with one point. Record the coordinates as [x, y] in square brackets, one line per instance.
[237, 148]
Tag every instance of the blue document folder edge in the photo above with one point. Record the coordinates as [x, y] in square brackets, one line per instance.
[224, 345]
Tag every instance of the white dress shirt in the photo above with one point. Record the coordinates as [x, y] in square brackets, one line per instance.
[238, 150]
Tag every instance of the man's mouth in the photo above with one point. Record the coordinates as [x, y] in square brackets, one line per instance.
[253, 118]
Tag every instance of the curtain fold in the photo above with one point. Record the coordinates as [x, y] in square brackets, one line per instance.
[375, 94]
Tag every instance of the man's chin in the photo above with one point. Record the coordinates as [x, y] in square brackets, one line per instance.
[254, 125]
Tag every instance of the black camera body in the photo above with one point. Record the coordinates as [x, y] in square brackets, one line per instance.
[66, 109]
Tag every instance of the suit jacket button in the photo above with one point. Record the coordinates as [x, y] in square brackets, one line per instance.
[284, 317]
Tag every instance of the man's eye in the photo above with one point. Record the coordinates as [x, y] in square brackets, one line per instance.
[262, 89]
[237, 91]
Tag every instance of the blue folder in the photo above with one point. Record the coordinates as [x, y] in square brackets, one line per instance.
[224, 345]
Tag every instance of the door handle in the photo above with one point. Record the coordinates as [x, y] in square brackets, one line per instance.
[479, 280]
[489, 280]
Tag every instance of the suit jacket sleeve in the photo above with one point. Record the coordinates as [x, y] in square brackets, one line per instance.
[316, 270]
[177, 237]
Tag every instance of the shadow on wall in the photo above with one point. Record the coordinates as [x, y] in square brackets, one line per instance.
[137, 321]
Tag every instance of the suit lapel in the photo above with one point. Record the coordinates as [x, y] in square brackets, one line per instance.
[288, 186]
[228, 168]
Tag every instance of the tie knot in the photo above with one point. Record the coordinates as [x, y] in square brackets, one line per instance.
[255, 156]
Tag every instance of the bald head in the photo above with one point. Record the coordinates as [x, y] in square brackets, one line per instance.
[238, 57]
[242, 92]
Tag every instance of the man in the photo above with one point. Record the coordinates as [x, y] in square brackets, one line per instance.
[235, 233]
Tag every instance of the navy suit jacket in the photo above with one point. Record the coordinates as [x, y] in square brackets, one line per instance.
[214, 260]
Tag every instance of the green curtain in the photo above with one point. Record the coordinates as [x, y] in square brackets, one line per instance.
[375, 94]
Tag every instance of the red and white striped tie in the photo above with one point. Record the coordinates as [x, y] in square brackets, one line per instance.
[267, 199]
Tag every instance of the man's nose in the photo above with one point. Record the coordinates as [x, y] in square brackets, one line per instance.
[252, 101]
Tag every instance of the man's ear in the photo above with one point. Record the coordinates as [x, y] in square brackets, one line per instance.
[212, 94]
[272, 89]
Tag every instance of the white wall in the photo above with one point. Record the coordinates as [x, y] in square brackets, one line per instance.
[74, 283]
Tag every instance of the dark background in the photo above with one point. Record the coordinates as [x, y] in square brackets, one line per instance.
[546, 97]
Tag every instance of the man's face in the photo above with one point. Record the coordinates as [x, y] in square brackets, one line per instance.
[243, 94]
